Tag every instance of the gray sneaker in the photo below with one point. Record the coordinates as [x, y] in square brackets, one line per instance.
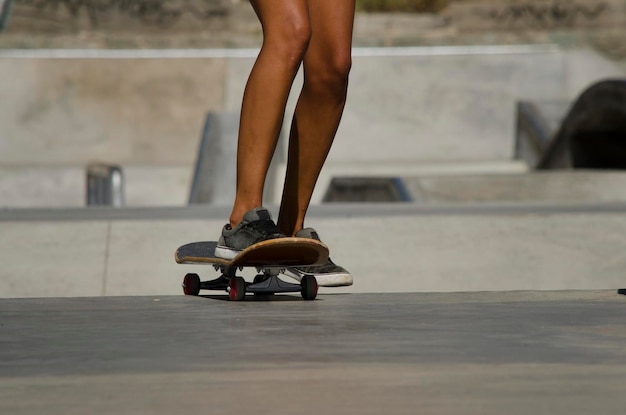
[327, 275]
[257, 226]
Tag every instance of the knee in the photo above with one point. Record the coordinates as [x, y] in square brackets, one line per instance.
[330, 73]
[338, 67]
[290, 41]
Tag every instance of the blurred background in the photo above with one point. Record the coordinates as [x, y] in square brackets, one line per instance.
[439, 88]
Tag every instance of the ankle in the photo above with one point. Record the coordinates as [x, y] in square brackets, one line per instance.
[288, 230]
[234, 220]
[238, 214]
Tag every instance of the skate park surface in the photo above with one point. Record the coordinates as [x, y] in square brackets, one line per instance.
[405, 353]
[494, 291]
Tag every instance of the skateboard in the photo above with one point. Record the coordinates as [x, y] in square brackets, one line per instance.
[270, 258]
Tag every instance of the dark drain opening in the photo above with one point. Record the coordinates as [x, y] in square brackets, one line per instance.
[367, 189]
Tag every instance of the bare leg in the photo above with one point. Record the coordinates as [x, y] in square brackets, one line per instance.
[286, 35]
[326, 67]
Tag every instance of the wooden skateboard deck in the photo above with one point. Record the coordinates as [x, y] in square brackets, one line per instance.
[269, 257]
[275, 252]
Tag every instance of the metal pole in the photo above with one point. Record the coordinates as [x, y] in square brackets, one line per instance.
[105, 185]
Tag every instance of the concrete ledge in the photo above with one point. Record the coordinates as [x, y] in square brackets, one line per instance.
[65, 186]
[316, 212]
[554, 187]
[399, 248]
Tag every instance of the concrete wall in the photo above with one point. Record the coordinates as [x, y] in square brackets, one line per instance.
[128, 111]
[434, 106]
[427, 106]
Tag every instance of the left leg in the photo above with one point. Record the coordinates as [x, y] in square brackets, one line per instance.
[320, 106]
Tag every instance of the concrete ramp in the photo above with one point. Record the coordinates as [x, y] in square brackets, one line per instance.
[215, 173]
[590, 133]
[593, 135]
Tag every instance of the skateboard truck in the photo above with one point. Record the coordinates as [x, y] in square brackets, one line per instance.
[265, 284]
[269, 283]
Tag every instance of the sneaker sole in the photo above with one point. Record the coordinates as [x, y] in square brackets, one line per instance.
[225, 252]
[331, 280]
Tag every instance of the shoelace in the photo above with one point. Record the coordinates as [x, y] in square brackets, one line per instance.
[265, 227]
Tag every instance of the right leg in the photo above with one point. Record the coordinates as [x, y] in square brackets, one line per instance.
[286, 34]
[320, 106]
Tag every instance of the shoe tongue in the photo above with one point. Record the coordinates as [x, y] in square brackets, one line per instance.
[257, 214]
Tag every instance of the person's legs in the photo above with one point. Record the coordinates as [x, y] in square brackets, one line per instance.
[286, 35]
[320, 106]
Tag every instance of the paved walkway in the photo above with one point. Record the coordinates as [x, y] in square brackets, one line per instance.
[471, 353]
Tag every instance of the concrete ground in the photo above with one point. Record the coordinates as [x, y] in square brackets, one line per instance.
[462, 353]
